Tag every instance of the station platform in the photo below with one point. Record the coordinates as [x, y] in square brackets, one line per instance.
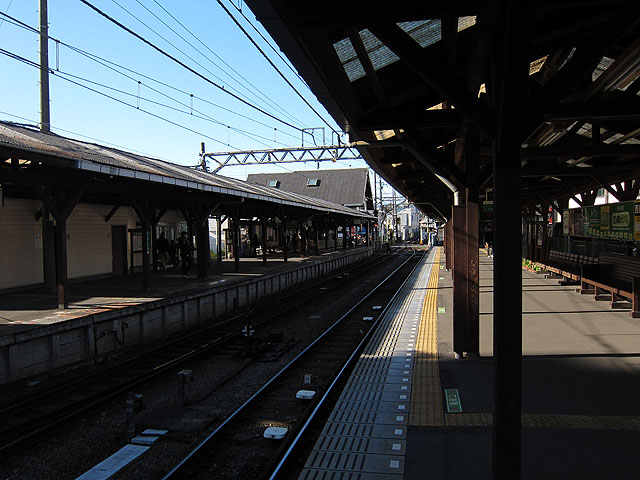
[22, 310]
[110, 317]
[399, 416]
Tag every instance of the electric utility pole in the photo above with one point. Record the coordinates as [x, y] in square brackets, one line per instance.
[45, 120]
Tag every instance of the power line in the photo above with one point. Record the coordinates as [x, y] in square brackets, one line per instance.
[182, 51]
[112, 66]
[284, 60]
[275, 67]
[33, 64]
[195, 72]
[34, 124]
[8, 7]
[202, 115]
[256, 89]
[63, 75]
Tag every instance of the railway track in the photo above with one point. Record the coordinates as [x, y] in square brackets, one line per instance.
[26, 417]
[238, 447]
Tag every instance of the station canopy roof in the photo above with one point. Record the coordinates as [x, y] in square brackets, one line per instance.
[27, 151]
[410, 82]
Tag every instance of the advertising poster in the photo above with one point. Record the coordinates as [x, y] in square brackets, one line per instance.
[636, 214]
[618, 221]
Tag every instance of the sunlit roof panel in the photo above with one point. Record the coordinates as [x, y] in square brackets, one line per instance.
[379, 54]
[424, 32]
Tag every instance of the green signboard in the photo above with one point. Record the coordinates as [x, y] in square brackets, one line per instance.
[453, 400]
[619, 221]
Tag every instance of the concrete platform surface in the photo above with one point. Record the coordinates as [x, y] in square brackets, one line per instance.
[580, 393]
[21, 310]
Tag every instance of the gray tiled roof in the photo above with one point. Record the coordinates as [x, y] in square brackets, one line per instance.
[111, 161]
[343, 186]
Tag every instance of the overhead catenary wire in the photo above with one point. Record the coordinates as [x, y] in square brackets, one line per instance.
[201, 115]
[280, 111]
[33, 64]
[8, 7]
[275, 67]
[17, 57]
[115, 66]
[195, 72]
[34, 123]
[284, 60]
[258, 92]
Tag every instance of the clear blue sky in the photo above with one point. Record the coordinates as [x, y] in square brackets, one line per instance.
[224, 55]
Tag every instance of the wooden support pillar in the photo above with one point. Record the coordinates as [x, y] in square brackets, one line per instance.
[344, 236]
[61, 262]
[263, 228]
[366, 236]
[466, 315]
[335, 237]
[202, 243]
[303, 241]
[48, 250]
[459, 263]
[199, 211]
[252, 243]
[154, 253]
[146, 225]
[236, 241]
[285, 246]
[316, 240]
[473, 281]
[61, 206]
[219, 233]
[510, 65]
[146, 212]
[635, 300]
[448, 244]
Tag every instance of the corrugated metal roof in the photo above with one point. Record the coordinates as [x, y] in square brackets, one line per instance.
[111, 161]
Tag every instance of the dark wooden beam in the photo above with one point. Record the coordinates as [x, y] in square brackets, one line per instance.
[575, 199]
[409, 117]
[551, 203]
[111, 213]
[608, 188]
[576, 151]
[578, 69]
[372, 76]
[446, 85]
[337, 14]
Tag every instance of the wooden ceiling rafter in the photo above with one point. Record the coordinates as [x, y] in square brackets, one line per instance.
[449, 88]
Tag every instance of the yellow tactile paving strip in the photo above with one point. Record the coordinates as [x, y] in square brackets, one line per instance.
[426, 398]
[427, 408]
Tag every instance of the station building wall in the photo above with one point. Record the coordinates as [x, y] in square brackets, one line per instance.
[20, 256]
[89, 248]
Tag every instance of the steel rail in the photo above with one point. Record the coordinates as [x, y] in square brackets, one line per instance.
[356, 353]
[185, 462]
[46, 422]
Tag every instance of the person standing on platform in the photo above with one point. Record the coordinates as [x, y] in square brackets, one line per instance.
[186, 253]
[488, 238]
[162, 244]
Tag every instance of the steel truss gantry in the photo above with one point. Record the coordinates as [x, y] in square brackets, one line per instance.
[322, 153]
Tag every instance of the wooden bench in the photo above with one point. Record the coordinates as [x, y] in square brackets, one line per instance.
[567, 265]
[616, 276]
